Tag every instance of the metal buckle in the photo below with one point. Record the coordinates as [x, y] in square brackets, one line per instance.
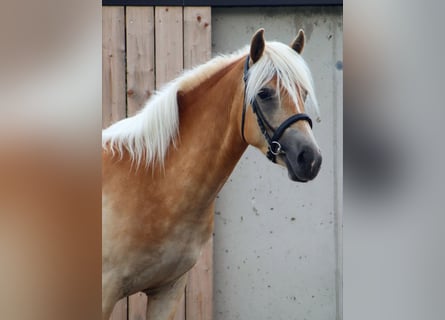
[275, 151]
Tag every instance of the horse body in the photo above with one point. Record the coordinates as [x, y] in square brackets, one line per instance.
[157, 217]
[156, 221]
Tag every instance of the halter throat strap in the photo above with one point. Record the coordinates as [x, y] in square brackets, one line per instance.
[274, 146]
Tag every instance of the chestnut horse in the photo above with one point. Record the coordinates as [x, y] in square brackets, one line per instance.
[163, 167]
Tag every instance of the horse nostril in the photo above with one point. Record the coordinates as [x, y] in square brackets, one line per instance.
[300, 158]
[305, 157]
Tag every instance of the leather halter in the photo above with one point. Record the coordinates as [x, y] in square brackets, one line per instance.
[274, 146]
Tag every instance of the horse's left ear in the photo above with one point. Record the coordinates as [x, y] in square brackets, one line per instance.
[298, 43]
[257, 45]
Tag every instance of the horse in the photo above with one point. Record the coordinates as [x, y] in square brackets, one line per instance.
[163, 167]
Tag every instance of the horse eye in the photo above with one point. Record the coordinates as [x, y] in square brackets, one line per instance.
[265, 93]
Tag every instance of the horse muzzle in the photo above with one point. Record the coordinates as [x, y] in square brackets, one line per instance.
[303, 159]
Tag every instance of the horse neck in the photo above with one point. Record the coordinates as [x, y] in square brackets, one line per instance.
[210, 142]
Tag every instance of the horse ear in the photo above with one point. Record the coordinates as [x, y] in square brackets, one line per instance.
[257, 45]
[298, 43]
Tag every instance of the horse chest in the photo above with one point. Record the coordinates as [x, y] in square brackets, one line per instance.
[152, 251]
[153, 267]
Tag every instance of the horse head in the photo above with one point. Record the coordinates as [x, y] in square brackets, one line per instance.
[277, 84]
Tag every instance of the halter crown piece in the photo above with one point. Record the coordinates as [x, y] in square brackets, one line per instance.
[274, 146]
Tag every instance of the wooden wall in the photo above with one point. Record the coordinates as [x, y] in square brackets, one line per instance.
[142, 49]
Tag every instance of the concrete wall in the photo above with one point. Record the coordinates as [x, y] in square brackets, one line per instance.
[277, 243]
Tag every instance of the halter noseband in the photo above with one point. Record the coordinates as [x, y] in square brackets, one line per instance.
[274, 147]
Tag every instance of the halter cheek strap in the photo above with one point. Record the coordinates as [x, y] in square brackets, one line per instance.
[243, 117]
[274, 146]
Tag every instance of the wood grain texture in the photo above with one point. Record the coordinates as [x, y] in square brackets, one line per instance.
[180, 312]
[113, 65]
[197, 36]
[120, 310]
[169, 44]
[137, 306]
[199, 291]
[140, 57]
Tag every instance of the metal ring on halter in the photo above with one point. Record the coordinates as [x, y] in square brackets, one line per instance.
[278, 149]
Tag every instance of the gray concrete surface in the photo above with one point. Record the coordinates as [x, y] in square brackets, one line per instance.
[278, 243]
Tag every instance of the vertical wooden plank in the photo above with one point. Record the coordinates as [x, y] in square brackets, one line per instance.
[140, 56]
[113, 87]
[137, 306]
[113, 64]
[180, 313]
[169, 63]
[197, 36]
[120, 310]
[169, 44]
[199, 291]
[140, 85]
[197, 50]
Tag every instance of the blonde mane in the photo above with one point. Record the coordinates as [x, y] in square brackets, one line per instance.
[147, 135]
